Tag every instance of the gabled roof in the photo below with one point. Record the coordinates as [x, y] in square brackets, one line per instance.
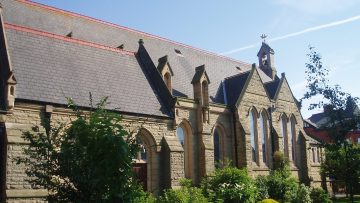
[234, 86]
[163, 61]
[199, 72]
[265, 48]
[272, 87]
[50, 67]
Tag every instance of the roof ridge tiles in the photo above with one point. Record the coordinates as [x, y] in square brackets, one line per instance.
[30, 2]
[65, 38]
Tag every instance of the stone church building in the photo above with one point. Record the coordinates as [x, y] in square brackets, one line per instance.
[190, 109]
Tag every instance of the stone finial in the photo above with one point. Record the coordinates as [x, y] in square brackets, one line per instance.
[282, 75]
[141, 41]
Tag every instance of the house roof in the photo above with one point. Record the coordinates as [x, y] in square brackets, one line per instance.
[40, 17]
[234, 86]
[105, 37]
[272, 86]
[50, 68]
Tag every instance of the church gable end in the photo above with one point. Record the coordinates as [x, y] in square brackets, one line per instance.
[284, 92]
[254, 91]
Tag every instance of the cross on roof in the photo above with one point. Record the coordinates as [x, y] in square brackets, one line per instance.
[263, 37]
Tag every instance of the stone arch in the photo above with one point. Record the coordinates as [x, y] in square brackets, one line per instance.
[188, 145]
[254, 110]
[146, 138]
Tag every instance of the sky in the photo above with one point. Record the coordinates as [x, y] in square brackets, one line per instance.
[233, 28]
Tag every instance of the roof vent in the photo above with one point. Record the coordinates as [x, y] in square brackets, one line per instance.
[69, 35]
[121, 46]
[178, 52]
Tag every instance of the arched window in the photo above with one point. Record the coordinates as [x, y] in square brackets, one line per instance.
[205, 93]
[180, 135]
[183, 133]
[313, 154]
[264, 135]
[12, 91]
[167, 80]
[293, 138]
[144, 165]
[253, 136]
[217, 147]
[283, 129]
[141, 156]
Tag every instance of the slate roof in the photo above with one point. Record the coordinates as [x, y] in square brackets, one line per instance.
[234, 86]
[271, 87]
[49, 68]
[60, 22]
[61, 68]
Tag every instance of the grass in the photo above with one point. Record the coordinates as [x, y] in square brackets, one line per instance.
[346, 200]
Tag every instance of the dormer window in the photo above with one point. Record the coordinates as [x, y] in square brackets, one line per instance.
[200, 84]
[167, 80]
[205, 93]
[165, 70]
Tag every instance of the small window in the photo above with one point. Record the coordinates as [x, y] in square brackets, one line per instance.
[167, 79]
[205, 93]
[313, 155]
[178, 52]
[12, 91]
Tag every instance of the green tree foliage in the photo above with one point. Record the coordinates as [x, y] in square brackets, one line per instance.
[318, 195]
[186, 194]
[88, 160]
[342, 160]
[230, 184]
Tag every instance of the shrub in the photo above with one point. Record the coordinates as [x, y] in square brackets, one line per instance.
[183, 195]
[230, 185]
[143, 197]
[318, 195]
[281, 186]
[261, 183]
[302, 195]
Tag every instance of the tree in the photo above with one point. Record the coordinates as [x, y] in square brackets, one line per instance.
[342, 160]
[89, 160]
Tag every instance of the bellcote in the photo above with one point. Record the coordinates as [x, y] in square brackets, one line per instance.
[165, 71]
[266, 60]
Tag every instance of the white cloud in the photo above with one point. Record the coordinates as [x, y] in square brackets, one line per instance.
[317, 6]
[299, 88]
[301, 32]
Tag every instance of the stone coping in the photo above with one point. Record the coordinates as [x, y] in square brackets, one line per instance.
[29, 193]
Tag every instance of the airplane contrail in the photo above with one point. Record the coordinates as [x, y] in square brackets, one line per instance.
[311, 29]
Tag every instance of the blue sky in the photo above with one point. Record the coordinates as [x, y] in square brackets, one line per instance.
[332, 26]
